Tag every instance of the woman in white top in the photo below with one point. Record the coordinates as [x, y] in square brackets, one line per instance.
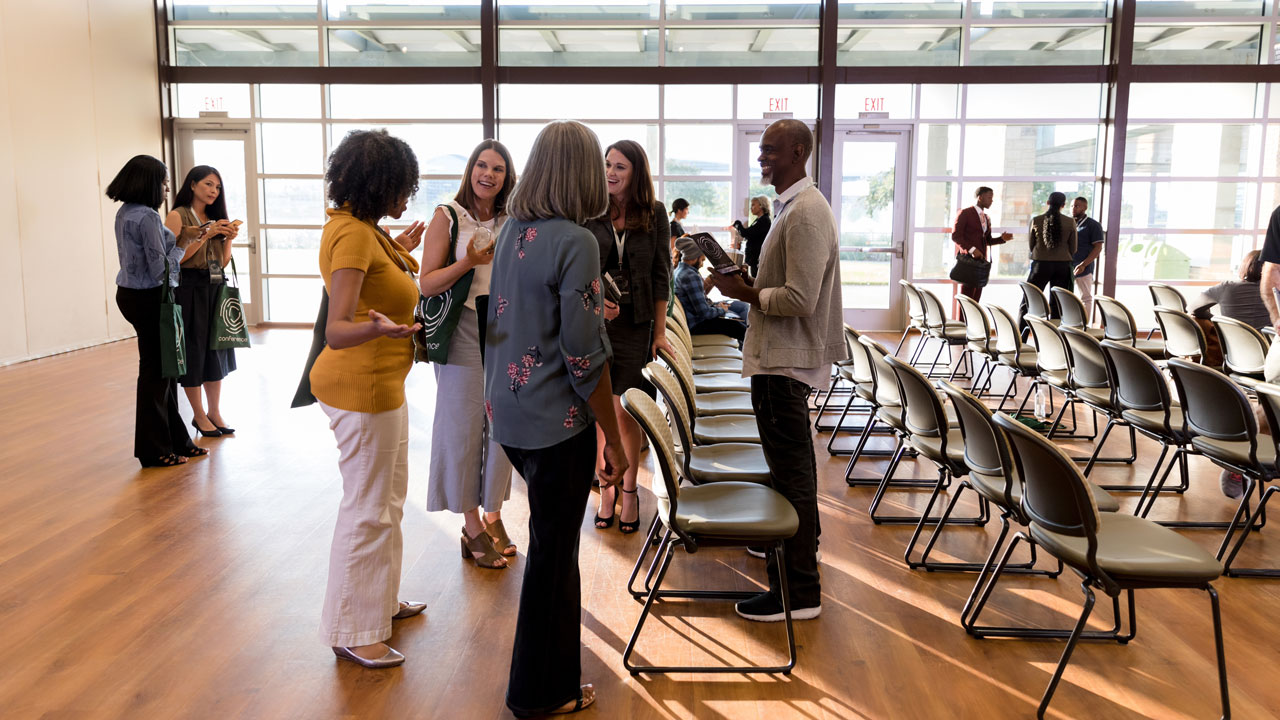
[467, 469]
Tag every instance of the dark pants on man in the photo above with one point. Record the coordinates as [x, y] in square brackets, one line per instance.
[972, 291]
[158, 429]
[546, 662]
[1052, 273]
[781, 405]
[735, 329]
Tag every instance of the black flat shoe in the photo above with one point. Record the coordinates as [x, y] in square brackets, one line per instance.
[215, 432]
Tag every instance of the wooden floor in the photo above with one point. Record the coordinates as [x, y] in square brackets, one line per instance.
[195, 592]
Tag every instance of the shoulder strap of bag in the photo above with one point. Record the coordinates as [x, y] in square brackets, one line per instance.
[234, 276]
[452, 255]
[164, 281]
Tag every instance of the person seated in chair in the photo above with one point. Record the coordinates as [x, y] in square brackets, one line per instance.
[1237, 299]
[705, 317]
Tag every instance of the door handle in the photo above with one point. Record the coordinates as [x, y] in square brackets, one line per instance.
[893, 249]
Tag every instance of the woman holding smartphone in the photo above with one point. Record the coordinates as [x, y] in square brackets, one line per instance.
[199, 220]
[469, 470]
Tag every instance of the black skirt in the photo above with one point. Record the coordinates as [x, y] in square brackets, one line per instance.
[631, 343]
[197, 297]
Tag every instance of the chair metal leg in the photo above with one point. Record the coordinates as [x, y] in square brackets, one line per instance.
[861, 450]
[1066, 653]
[984, 572]
[1222, 656]
[1250, 572]
[902, 341]
[917, 520]
[644, 552]
[984, 510]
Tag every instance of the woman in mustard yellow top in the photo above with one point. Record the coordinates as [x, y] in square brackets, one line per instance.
[359, 380]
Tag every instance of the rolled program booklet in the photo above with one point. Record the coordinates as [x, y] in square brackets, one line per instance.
[716, 255]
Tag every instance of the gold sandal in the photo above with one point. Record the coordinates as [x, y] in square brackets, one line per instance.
[480, 551]
[501, 539]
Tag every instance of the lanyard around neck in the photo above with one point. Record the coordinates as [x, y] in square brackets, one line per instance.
[619, 240]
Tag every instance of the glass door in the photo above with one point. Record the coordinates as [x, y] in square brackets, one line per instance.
[871, 215]
[747, 182]
[228, 146]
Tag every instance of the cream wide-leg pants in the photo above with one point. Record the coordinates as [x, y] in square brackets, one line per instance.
[368, 546]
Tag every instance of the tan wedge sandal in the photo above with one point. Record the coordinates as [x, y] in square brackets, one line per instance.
[501, 540]
[480, 551]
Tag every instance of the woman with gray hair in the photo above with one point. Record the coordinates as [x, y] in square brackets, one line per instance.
[546, 385]
[755, 233]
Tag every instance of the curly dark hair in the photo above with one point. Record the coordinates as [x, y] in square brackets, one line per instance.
[371, 171]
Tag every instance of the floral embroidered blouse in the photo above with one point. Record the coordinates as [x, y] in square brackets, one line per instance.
[545, 346]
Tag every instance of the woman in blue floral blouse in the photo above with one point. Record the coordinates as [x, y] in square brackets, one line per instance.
[547, 384]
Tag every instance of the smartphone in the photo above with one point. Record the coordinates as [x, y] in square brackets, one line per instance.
[237, 223]
[206, 224]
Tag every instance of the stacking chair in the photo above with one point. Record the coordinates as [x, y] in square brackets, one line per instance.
[1072, 311]
[1112, 552]
[712, 362]
[709, 430]
[979, 342]
[1244, 350]
[1011, 352]
[1183, 338]
[1166, 296]
[725, 514]
[1093, 385]
[1118, 326]
[711, 381]
[1037, 303]
[699, 340]
[915, 317]
[1269, 398]
[842, 383]
[1053, 363]
[858, 374]
[725, 402]
[1220, 421]
[948, 332]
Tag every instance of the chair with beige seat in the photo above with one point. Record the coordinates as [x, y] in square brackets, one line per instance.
[980, 342]
[915, 317]
[1037, 303]
[1112, 552]
[1012, 352]
[700, 340]
[723, 514]
[1244, 350]
[1163, 295]
[709, 381]
[1118, 326]
[857, 373]
[948, 333]
[1072, 311]
[1183, 338]
[727, 402]
[706, 430]
[711, 361]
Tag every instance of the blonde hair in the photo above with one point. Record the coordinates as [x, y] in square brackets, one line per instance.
[563, 178]
[766, 205]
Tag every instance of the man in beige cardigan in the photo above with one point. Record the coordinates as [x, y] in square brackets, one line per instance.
[794, 334]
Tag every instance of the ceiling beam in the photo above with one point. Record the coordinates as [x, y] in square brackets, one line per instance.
[762, 38]
[854, 38]
[1162, 38]
[552, 41]
[944, 37]
[256, 38]
[461, 39]
[1071, 36]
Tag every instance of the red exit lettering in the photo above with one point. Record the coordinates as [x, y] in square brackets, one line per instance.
[779, 104]
[873, 104]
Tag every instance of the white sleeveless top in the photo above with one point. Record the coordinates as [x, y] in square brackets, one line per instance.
[467, 229]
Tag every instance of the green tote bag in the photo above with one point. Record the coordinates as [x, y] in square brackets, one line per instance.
[439, 314]
[173, 337]
[228, 329]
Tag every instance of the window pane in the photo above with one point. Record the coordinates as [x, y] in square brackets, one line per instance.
[915, 46]
[291, 251]
[291, 148]
[292, 299]
[936, 205]
[193, 98]
[267, 10]
[578, 46]
[646, 135]
[1271, 157]
[240, 256]
[992, 150]
[463, 10]
[1016, 202]
[756, 100]
[1036, 101]
[939, 101]
[698, 149]
[1176, 256]
[1041, 9]
[939, 151]
[1197, 8]
[893, 99]
[441, 149]
[549, 102]
[932, 255]
[1192, 149]
[1191, 45]
[698, 102]
[1188, 205]
[742, 46]
[1212, 100]
[288, 101]
[430, 194]
[1037, 46]
[893, 10]
[709, 204]
[246, 46]
[399, 47]
[405, 101]
[289, 201]
[509, 10]
[782, 10]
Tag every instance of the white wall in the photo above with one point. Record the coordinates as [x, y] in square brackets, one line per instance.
[78, 97]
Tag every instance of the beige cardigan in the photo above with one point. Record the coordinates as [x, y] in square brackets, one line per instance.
[799, 322]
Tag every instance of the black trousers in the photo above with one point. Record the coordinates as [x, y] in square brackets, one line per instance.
[735, 329]
[158, 429]
[1052, 273]
[782, 412]
[546, 662]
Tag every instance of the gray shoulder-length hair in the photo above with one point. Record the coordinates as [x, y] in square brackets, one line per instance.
[766, 204]
[563, 178]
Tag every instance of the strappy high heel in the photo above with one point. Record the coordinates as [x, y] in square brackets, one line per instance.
[629, 527]
[169, 460]
[480, 551]
[501, 540]
[604, 523]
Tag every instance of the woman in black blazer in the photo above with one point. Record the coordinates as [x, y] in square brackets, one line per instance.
[755, 233]
[635, 251]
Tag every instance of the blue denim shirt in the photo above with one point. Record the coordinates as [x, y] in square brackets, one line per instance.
[143, 243]
[697, 307]
[546, 345]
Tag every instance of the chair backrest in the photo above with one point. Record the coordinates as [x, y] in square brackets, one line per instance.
[1088, 367]
[1269, 399]
[679, 315]
[1140, 385]
[1213, 405]
[977, 328]
[1051, 350]
[922, 411]
[935, 317]
[681, 334]
[1008, 339]
[1244, 349]
[1182, 336]
[666, 480]
[682, 368]
[862, 372]
[915, 306]
[1165, 296]
[679, 407]
[886, 382]
[986, 449]
[1054, 493]
[1037, 303]
[1070, 309]
[1117, 321]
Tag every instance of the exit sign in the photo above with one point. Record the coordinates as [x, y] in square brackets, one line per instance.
[873, 104]
[780, 104]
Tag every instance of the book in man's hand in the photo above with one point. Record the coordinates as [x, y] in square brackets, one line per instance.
[716, 255]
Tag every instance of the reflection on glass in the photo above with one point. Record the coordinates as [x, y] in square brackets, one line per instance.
[939, 150]
[1031, 150]
[1181, 256]
[1019, 45]
[698, 149]
[772, 10]
[290, 47]
[939, 101]
[1212, 100]
[291, 148]
[549, 102]
[578, 46]
[264, 10]
[1075, 100]
[698, 102]
[899, 10]
[193, 98]
[292, 299]
[403, 47]
[709, 203]
[288, 101]
[1188, 205]
[291, 251]
[543, 10]
[867, 214]
[228, 157]
[441, 149]
[430, 194]
[936, 205]
[389, 102]
[914, 46]
[931, 255]
[1192, 149]
[1041, 8]
[462, 10]
[292, 201]
[696, 46]
[1198, 8]
[1192, 44]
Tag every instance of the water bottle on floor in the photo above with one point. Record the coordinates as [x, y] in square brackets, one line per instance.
[1042, 410]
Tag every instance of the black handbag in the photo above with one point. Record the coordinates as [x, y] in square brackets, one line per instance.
[303, 397]
[969, 270]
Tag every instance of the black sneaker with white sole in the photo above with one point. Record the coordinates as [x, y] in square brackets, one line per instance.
[767, 608]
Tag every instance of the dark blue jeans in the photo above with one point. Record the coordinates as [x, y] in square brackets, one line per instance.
[782, 412]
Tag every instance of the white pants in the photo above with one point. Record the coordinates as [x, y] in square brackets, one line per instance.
[1084, 289]
[364, 560]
